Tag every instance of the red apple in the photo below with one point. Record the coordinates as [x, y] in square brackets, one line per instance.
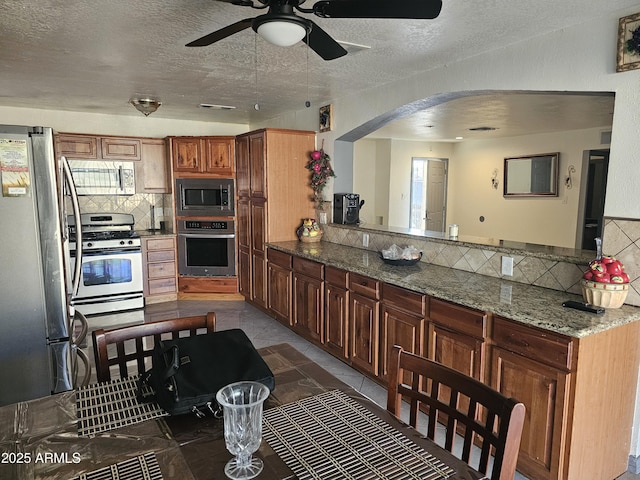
[316, 154]
[588, 275]
[625, 277]
[597, 266]
[606, 259]
[601, 277]
[617, 279]
[614, 268]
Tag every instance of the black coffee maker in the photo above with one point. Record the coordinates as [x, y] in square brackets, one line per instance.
[346, 208]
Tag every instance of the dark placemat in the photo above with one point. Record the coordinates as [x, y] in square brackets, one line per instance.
[330, 436]
[109, 405]
[143, 467]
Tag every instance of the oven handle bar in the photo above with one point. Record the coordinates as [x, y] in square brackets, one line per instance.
[106, 251]
[75, 285]
[206, 235]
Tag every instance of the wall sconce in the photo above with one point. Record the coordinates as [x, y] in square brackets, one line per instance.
[145, 105]
[568, 181]
[494, 179]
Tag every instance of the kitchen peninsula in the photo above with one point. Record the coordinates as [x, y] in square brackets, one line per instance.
[575, 372]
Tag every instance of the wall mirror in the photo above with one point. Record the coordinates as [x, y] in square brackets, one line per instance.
[531, 175]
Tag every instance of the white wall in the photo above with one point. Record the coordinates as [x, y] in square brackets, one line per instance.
[541, 220]
[134, 126]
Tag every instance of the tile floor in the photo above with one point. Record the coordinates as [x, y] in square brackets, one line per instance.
[262, 330]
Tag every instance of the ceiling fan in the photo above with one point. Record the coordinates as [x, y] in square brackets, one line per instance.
[282, 26]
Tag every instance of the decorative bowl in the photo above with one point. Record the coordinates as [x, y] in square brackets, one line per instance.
[401, 261]
[605, 295]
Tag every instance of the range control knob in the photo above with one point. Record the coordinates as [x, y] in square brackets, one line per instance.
[89, 244]
[130, 242]
[121, 242]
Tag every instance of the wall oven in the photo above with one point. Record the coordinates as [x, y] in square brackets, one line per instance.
[204, 197]
[206, 248]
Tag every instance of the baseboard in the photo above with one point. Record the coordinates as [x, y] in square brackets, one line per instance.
[634, 464]
[209, 296]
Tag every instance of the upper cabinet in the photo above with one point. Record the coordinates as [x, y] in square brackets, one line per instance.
[148, 154]
[98, 148]
[203, 156]
[152, 173]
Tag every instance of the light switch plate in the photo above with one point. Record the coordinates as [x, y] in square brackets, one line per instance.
[507, 266]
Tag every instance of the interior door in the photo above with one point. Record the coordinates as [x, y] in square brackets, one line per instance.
[596, 187]
[428, 194]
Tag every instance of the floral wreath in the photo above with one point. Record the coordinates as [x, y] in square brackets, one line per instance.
[320, 172]
[633, 44]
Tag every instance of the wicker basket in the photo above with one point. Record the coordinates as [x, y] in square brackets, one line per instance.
[605, 295]
[305, 239]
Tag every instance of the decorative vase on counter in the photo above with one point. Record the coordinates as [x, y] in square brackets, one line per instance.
[309, 231]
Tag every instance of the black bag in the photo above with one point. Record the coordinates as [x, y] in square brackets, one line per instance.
[187, 373]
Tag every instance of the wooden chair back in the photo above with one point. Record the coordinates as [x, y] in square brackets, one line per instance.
[130, 342]
[466, 407]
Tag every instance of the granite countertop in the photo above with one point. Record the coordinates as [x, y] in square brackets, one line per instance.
[536, 306]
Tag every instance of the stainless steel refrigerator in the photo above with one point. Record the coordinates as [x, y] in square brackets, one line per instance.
[38, 333]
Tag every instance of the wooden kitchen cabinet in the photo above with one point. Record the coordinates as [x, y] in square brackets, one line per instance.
[81, 146]
[364, 321]
[336, 312]
[76, 146]
[456, 337]
[203, 156]
[308, 299]
[159, 269]
[535, 367]
[152, 172]
[279, 273]
[114, 148]
[579, 392]
[274, 196]
[402, 320]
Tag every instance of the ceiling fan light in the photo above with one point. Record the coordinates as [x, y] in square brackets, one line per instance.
[282, 33]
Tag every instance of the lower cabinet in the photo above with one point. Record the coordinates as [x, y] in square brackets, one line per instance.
[543, 390]
[364, 328]
[536, 368]
[308, 299]
[159, 269]
[578, 392]
[456, 337]
[279, 293]
[336, 312]
[401, 322]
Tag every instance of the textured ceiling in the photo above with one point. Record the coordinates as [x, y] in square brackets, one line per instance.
[93, 56]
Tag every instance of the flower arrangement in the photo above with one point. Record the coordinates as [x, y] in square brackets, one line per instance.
[320, 172]
[633, 44]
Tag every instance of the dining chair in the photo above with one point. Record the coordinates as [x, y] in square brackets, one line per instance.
[469, 410]
[135, 343]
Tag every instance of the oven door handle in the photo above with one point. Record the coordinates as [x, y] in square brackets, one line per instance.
[200, 235]
[108, 251]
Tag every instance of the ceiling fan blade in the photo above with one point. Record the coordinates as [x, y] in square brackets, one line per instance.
[222, 33]
[321, 42]
[420, 9]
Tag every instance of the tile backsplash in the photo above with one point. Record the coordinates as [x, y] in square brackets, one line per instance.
[621, 239]
[139, 205]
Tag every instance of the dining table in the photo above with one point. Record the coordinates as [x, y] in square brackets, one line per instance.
[314, 427]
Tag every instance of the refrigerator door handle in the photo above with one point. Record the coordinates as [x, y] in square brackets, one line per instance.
[75, 284]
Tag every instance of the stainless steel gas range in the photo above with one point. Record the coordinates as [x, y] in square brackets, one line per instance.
[111, 277]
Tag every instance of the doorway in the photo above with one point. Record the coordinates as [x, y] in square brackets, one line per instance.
[597, 168]
[428, 193]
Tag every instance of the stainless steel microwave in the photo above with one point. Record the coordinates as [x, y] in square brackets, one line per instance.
[205, 197]
[98, 177]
